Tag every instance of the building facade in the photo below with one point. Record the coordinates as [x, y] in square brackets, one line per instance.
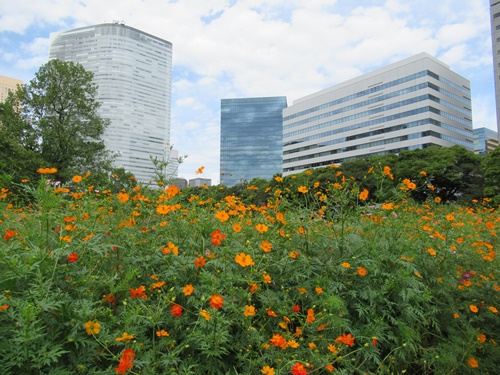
[495, 40]
[485, 140]
[133, 70]
[8, 84]
[414, 103]
[251, 138]
[197, 182]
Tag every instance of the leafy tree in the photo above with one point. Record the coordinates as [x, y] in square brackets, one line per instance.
[55, 116]
[491, 168]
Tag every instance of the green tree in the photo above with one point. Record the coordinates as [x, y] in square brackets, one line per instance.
[55, 116]
[491, 167]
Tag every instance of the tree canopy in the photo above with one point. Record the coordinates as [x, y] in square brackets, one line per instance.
[53, 122]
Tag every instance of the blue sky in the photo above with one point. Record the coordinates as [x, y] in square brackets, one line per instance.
[247, 48]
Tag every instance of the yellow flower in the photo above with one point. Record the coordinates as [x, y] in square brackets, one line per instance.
[249, 311]
[92, 327]
[266, 370]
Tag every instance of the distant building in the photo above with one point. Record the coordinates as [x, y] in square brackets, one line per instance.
[133, 70]
[8, 84]
[197, 182]
[251, 138]
[495, 39]
[181, 183]
[485, 140]
[415, 103]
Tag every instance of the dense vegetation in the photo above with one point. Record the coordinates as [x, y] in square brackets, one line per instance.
[309, 274]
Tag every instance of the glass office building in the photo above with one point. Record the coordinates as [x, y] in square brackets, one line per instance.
[133, 70]
[251, 139]
[495, 39]
[485, 140]
[414, 103]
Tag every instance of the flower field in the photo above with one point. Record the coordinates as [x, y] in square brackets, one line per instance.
[319, 280]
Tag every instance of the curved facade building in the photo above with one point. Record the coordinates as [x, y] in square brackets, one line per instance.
[133, 70]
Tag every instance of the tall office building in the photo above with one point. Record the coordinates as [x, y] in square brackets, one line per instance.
[414, 103]
[133, 70]
[251, 138]
[495, 40]
[8, 84]
[485, 140]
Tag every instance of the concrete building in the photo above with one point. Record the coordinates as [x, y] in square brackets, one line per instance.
[495, 40]
[133, 70]
[251, 138]
[8, 84]
[485, 140]
[414, 103]
[197, 182]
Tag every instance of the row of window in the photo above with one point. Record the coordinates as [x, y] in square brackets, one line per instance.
[375, 89]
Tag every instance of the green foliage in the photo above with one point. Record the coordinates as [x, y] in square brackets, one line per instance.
[315, 276]
[53, 122]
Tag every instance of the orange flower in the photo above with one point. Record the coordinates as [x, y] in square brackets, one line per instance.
[299, 369]
[126, 361]
[200, 170]
[472, 362]
[261, 228]
[222, 216]
[278, 340]
[362, 271]
[312, 345]
[318, 290]
[431, 251]
[302, 189]
[237, 227]
[267, 278]
[481, 338]
[170, 248]
[437, 199]
[249, 310]
[346, 339]
[125, 337]
[5, 307]
[217, 237]
[176, 310]
[216, 301]
[138, 293]
[205, 315]
[162, 333]
[310, 316]
[456, 316]
[122, 197]
[200, 262]
[92, 327]
[47, 170]
[77, 179]
[493, 309]
[363, 195]
[473, 308]
[158, 285]
[266, 370]
[271, 312]
[244, 260]
[332, 348]
[330, 368]
[345, 265]
[188, 290]
[266, 246]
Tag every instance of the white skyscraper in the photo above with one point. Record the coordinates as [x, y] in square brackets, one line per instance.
[133, 70]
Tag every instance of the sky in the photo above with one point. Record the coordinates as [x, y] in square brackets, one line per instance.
[256, 48]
